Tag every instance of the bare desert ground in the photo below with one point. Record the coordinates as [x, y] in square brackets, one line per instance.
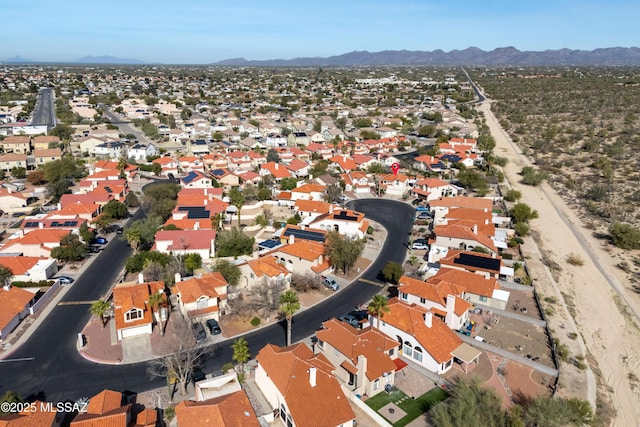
[598, 303]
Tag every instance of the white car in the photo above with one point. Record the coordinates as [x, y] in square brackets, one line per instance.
[420, 245]
[330, 283]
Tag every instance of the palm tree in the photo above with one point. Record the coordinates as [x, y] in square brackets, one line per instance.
[289, 304]
[157, 301]
[378, 307]
[99, 309]
[134, 237]
[216, 221]
[241, 352]
[237, 200]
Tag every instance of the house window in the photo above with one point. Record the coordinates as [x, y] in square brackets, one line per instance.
[423, 300]
[405, 296]
[407, 349]
[417, 354]
[321, 344]
[201, 303]
[376, 384]
[133, 314]
[392, 351]
[483, 299]
[253, 276]
[336, 352]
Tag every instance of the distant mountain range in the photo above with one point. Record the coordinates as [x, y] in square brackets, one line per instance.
[503, 56]
[507, 56]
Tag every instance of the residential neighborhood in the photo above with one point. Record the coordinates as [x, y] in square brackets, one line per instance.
[358, 220]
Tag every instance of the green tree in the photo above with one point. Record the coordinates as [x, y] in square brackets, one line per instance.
[115, 209]
[471, 405]
[522, 212]
[70, 249]
[392, 272]
[343, 251]
[131, 200]
[288, 183]
[273, 156]
[158, 301]
[376, 168]
[237, 199]
[545, 411]
[378, 307]
[10, 397]
[332, 192]
[230, 271]
[18, 172]
[233, 243]
[36, 177]
[99, 309]
[86, 233]
[320, 168]
[532, 176]
[62, 131]
[192, 261]
[5, 275]
[289, 304]
[133, 235]
[241, 352]
[512, 195]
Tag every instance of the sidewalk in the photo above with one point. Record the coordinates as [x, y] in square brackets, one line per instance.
[102, 348]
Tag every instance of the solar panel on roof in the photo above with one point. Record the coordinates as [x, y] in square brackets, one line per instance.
[314, 236]
[269, 244]
[345, 216]
[190, 177]
[31, 224]
[478, 262]
[195, 212]
[108, 189]
[218, 172]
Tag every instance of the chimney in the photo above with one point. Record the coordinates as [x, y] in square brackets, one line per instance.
[475, 228]
[7, 286]
[344, 157]
[140, 277]
[206, 191]
[428, 318]
[9, 190]
[177, 278]
[361, 365]
[312, 376]
[292, 239]
[330, 209]
[451, 304]
[277, 166]
[486, 221]
[196, 226]
[59, 206]
[40, 225]
[302, 226]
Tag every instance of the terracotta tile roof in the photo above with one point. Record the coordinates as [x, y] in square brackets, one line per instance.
[351, 342]
[296, 165]
[128, 296]
[432, 182]
[19, 265]
[267, 265]
[462, 202]
[304, 249]
[310, 188]
[12, 302]
[345, 162]
[476, 215]
[43, 237]
[75, 209]
[49, 152]
[4, 192]
[187, 239]
[16, 139]
[323, 266]
[189, 224]
[207, 285]
[277, 170]
[454, 255]
[231, 410]
[284, 195]
[315, 206]
[93, 197]
[485, 229]
[438, 340]
[471, 282]
[288, 368]
[13, 157]
[104, 410]
[45, 139]
[147, 418]
[464, 233]
[29, 418]
[435, 291]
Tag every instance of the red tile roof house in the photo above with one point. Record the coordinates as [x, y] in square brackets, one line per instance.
[14, 306]
[265, 270]
[105, 409]
[30, 269]
[344, 221]
[365, 359]
[276, 170]
[36, 415]
[169, 165]
[462, 237]
[425, 339]
[132, 312]
[196, 179]
[357, 181]
[300, 256]
[433, 188]
[231, 410]
[201, 297]
[182, 242]
[37, 243]
[477, 288]
[308, 192]
[300, 387]
[443, 298]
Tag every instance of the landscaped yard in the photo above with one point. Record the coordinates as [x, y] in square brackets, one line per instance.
[413, 407]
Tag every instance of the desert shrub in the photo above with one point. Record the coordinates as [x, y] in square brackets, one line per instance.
[255, 321]
[575, 260]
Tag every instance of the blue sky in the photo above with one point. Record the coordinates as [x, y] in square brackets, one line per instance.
[204, 31]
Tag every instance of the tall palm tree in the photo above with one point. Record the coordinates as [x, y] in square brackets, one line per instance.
[157, 301]
[378, 307]
[241, 352]
[134, 237]
[237, 199]
[289, 304]
[99, 309]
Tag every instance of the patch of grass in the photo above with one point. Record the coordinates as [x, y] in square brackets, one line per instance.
[413, 407]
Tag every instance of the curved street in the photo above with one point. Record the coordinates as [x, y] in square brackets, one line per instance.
[57, 372]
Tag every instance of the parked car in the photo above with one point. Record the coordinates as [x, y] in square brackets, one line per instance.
[420, 244]
[65, 280]
[350, 319]
[343, 198]
[213, 326]
[423, 215]
[94, 249]
[101, 241]
[359, 314]
[415, 202]
[198, 331]
[422, 209]
[330, 283]
[119, 230]
[197, 375]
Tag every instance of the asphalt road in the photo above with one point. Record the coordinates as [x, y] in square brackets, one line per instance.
[44, 112]
[125, 126]
[59, 373]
